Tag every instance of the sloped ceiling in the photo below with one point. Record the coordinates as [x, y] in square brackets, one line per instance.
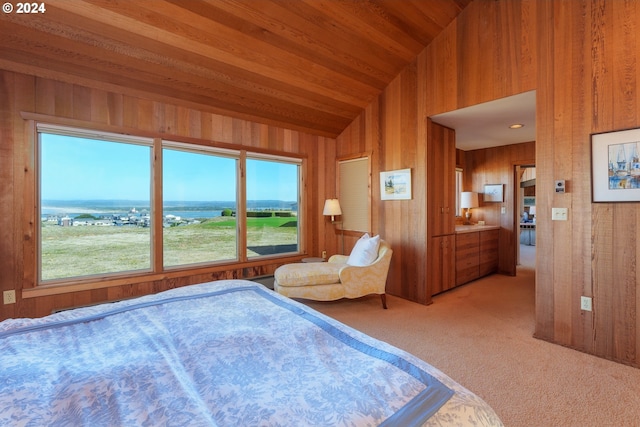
[309, 65]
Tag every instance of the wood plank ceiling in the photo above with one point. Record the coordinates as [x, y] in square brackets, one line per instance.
[309, 65]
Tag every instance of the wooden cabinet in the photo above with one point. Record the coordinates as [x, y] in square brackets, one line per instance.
[467, 257]
[476, 255]
[441, 179]
[489, 251]
[443, 271]
[440, 209]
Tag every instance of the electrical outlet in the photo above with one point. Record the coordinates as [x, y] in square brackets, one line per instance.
[585, 303]
[324, 254]
[559, 214]
[9, 297]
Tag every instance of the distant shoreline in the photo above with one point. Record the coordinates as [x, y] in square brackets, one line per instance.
[185, 209]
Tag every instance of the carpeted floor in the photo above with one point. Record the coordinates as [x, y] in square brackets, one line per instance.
[481, 335]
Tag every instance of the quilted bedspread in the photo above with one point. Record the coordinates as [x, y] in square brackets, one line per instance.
[226, 353]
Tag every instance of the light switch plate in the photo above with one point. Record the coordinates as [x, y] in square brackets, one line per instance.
[559, 214]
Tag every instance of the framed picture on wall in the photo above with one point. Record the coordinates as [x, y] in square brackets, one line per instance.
[395, 185]
[615, 166]
[493, 193]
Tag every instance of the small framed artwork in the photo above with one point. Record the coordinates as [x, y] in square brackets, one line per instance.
[529, 200]
[395, 185]
[615, 166]
[493, 193]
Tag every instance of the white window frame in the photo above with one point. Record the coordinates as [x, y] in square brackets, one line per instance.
[459, 182]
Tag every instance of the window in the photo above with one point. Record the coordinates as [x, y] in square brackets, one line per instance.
[199, 206]
[355, 194]
[95, 192]
[272, 206]
[458, 190]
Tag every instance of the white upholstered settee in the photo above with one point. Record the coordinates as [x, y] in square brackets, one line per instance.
[335, 279]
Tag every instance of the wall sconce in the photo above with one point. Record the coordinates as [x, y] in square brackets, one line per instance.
[468, 200]
[332, 209]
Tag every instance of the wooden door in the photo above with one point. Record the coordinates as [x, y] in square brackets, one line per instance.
[441, 185]
[443, 271]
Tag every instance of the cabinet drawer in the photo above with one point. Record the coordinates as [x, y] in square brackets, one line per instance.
[467, 257]
[489, 252]
[467, 245]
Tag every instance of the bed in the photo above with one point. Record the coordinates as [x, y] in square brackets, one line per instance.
[224, 353]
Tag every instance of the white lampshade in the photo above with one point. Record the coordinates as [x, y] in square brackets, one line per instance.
[332, 208]
[468, 199]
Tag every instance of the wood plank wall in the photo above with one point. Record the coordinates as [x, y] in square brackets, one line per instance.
[21, 92]
[388, 130]
[581, 58]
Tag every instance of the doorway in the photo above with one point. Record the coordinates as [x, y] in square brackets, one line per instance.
[501, 122]
[525, 215]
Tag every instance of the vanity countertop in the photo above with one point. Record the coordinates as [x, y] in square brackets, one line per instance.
[473, 228]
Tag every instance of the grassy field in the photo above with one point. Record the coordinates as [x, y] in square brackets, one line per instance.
[86, 250]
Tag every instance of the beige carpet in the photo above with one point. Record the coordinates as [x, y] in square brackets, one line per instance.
[480, 334]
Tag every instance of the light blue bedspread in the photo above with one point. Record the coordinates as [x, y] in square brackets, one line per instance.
[227, 353]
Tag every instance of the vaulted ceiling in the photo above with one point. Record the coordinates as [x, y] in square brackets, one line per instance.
[310, 65]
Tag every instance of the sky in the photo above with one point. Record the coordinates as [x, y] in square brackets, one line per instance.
[83, 169]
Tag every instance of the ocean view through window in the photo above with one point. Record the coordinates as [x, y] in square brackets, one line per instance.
[199, 207]
[272, 206]
[97, 192]
[94, 205]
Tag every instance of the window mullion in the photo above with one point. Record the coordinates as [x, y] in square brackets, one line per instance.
[157, 245]
[241, 214]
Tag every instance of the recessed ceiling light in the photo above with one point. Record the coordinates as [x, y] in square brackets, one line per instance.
[516, 126]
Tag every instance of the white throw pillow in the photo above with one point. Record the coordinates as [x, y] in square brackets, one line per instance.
[365, 251]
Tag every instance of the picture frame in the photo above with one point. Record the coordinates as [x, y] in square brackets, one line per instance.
[615, 166]
[493, 193]
[529, 200]
[395, 185]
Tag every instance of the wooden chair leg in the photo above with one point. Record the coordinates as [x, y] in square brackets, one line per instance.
[383, 297]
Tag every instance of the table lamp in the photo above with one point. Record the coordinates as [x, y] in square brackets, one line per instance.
[468, 200]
